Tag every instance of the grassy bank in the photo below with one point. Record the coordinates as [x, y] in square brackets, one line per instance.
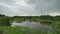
[20, 30]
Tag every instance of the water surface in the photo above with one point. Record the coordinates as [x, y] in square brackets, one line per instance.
[35, 25]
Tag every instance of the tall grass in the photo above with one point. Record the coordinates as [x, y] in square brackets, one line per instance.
[23, 30]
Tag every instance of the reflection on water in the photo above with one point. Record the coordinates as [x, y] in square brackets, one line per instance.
[35, 25]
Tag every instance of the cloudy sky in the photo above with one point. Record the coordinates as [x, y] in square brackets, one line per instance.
[30, 7]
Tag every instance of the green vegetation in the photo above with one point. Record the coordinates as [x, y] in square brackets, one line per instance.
[22, 30]
[6, 21]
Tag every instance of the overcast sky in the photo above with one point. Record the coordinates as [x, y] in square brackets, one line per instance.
[29, 7]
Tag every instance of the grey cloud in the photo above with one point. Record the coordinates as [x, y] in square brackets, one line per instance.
[9, 2]
[47, 6]
[32, 7]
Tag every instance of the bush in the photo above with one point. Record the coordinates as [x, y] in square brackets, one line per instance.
[4, 21]
[49, 22]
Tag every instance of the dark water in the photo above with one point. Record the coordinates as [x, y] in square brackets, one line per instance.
[35, 25]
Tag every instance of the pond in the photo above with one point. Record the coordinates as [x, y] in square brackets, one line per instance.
[35, 25]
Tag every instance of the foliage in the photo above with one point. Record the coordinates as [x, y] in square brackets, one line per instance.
[5, 23]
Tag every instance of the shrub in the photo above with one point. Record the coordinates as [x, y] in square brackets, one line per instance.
[4, 21]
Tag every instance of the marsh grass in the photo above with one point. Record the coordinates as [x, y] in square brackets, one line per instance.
[6, 29]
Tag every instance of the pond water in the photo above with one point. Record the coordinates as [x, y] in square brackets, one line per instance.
[35, 25]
